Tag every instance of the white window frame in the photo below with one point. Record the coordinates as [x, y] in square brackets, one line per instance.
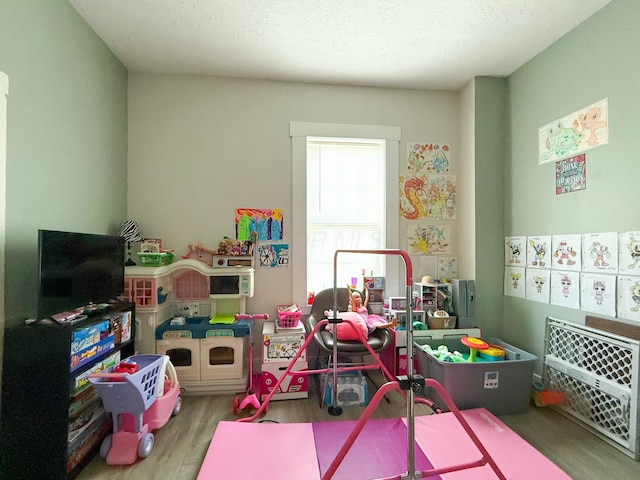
[299, 132]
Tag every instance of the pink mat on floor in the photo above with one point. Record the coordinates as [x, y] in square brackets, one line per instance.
[288, 451]
[379, 451]
[265, 451]
[446, 443]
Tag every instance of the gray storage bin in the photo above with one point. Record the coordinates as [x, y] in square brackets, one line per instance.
[501, 387]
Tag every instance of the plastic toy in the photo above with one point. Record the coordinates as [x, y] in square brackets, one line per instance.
[126, 366]
[197, 249]
[474, 345]
[139, 403]
[251, 399]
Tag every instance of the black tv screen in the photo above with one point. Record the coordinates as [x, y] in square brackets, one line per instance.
[76, 269]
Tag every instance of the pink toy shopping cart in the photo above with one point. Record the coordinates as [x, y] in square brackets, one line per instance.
[139, 403]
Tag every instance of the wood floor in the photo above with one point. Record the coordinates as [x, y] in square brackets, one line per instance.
[181, 444]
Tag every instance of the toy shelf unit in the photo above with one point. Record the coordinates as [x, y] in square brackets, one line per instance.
[437, 297]
[52, 419]
[189, 288]
[598, 372]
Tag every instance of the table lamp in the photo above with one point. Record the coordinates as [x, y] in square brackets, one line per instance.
[130, 231]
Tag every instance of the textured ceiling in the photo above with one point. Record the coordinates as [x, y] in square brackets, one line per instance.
[424, 44]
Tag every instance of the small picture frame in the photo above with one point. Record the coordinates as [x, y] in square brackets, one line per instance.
[149, 247]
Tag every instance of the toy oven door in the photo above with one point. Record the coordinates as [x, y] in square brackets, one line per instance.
[184, 353]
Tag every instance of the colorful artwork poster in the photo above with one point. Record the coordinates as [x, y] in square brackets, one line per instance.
[514, 281]
[428, 157]
[515, 251]
[571, 174]
[566, 252]
[447, 269]
[427, 196]
[598, 293]
[413, 196]
[428, 239]
[538, 286]
[538, 251]
[274, 255]
[629, 297]
[258, 224]
[600, 252]
[629, 253]
[565, 289]
[441, 195]
[574, 133]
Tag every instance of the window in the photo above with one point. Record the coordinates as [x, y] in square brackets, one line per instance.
[345, 208]
[343, 196]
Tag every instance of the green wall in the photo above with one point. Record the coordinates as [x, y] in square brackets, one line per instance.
[598, 59]
[66, 136]
[490, 110]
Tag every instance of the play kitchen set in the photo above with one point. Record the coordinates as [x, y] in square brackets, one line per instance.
[186, 309]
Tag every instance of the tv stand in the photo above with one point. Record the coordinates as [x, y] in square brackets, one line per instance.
[44, 396]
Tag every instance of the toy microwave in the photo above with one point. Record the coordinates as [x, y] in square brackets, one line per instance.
[236, 283]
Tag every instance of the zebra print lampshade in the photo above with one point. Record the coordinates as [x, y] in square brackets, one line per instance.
[130, 231]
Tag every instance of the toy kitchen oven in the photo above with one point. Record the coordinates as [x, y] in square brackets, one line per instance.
[195, 291]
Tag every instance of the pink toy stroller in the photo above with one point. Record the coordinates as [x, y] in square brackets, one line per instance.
[139, 403]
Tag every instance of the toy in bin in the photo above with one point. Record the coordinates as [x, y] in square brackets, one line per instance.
[141, 393]
[288, 316]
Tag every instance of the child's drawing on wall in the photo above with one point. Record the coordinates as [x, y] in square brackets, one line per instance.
[447, 269]
[514, 281]
[265, 224]
[441, 195]
[274, 255]
[574, 133]
[413, 198]
[565, 289]
[629, 253]
[629, 297]
[598, 293]
[428, 239]
[537, 285]
[566, 252]
[515, 251]
[600, 252]
[428, 157]
[538, 251]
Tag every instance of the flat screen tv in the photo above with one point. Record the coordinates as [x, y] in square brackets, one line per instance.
[76, 269]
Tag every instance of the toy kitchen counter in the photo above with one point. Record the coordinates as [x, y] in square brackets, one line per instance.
[209, 358]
